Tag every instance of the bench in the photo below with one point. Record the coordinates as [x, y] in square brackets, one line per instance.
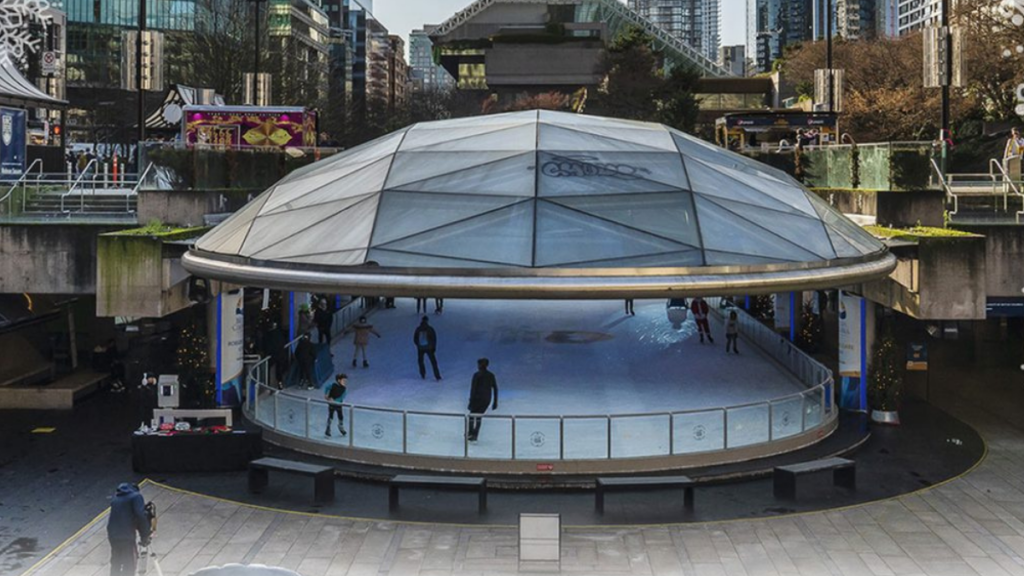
[437, 483]
[844, 473]
[643, 483]
[323, 476]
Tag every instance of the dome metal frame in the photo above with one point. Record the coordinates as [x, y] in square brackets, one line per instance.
[433, 210]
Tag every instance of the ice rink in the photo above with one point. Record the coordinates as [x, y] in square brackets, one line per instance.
[558, 358]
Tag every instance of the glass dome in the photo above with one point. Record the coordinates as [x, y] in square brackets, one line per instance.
[540, 191]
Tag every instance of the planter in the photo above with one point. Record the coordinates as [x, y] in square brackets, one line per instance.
[889, 417]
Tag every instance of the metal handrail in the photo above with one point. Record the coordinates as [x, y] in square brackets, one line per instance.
[78, 180]
[21, 179]
[808, 371]
[945, 186]
[993, 163]
[135, 189]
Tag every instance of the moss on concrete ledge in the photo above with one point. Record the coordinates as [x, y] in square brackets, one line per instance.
[160, 231]
[916, 233]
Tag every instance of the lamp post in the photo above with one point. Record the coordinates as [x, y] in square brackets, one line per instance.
[138, 79]
[828, 55]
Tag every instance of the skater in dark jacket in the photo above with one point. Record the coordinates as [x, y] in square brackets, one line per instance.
[425, 340]
[305, 357]
[324, 319]
[482, 393]
[127, 517]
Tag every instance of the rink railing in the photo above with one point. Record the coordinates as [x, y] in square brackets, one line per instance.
[564, 437]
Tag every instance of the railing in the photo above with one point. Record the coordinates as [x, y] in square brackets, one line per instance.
[564, 437]
[996, 183]
[21, 181]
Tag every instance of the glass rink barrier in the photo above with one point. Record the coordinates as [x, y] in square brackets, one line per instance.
[560, 438]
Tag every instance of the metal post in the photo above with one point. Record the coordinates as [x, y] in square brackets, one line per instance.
[513, 437]
[725, 427]
[561, 438]
[405, 432]
[828, 45]
[276, 396]
[771, 421]
[609, 447]
[308, 404]
[671, 435]
[803, 413]
[351, 424]
[138, 80]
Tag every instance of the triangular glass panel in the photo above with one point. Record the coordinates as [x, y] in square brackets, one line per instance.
[225, 238]
[521, 137]
[566, 237]
[503, 237]
[800, 230]
[862, 242]
[581, 174]
[513, 176]
[558, 139]
[480, 121]
[404, 214]
[288, 192]
[681, 259]
[410, 260]
[705, 179]
[359, 156]
[716, 258]
[347, 230]
[790, 195]
[669, 214]
[273, 228]
[341, 258]
[726, 232]
[410, 167]
[364, 181]
[692, 147]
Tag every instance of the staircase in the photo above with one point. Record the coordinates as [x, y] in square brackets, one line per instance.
[112, 203]
[982, 198]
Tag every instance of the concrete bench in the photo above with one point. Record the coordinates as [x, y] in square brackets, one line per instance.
[844, 473]
[643, 483]
[437, 483]
[323, 476]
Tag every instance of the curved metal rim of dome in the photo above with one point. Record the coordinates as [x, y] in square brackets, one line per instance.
[542, 283]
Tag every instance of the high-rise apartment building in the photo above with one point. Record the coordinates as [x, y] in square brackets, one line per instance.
[398, 73]
[733, 59]
[424, 73]
[779, 23]
[695, 22]
[916, 14]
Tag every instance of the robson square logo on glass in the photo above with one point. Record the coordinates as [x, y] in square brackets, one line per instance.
[582, 166]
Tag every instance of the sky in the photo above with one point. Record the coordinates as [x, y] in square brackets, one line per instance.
[402, 16]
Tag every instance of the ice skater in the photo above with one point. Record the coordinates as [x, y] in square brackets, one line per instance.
[700, 311]
[127, 517]
[425, 340]
[305, 357]
[438, 306]
[335, 395]
[482, 393]
[732, 332]
[363, 329]
[421, 305]
[629, 307]
[324, 320]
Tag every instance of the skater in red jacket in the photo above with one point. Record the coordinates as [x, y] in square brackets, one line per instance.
[700, 311]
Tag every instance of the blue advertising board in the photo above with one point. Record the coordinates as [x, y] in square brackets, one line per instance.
[13, 127]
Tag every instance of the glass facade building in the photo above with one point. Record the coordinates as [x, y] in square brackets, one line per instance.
[695, 22]
[426, 75]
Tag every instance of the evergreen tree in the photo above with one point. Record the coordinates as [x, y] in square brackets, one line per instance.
[193, 362]
[885, 382]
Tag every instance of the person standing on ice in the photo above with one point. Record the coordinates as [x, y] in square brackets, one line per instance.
[425, 340]
[363, 329]
[483, 391]
[732, 332]
[700, 311]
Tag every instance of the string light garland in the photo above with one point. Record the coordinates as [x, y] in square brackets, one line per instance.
[193, 362]
[886, 375]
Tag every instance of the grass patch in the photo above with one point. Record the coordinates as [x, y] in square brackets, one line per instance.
[159, 230]
[916, 233]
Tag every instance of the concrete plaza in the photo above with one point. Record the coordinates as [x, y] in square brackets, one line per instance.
[973, 525]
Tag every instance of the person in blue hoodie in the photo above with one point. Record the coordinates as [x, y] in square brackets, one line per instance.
[127, 517]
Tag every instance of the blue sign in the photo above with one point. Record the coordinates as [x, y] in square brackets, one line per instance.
[1004, 307]
[13, 126]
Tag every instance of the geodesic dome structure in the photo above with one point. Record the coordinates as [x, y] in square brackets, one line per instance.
[536, 194]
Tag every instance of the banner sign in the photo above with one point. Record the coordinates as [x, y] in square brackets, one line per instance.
[249, 126]
[13, 128]
[917, 356]
[782, 310]
[230, 340]
[852, 358]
